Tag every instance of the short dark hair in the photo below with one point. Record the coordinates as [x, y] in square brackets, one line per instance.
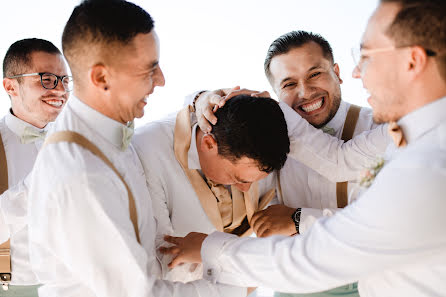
[292, 40]
[104, 23]
[422, 23]
[254, 128]
[18, 56]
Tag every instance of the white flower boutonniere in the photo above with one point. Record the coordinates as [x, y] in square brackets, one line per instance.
[368, 175]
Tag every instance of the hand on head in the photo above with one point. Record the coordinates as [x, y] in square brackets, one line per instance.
[185, 249]
[274, 220]
[208, 103]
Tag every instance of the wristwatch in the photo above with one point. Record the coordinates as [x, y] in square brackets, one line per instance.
[296, 218]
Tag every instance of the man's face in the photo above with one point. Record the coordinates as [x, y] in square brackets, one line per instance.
[381, 72]
[240, 173]
[308, 82]
[32, 102]
[135, 75]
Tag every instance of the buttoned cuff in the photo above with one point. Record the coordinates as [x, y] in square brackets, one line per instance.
[309, 216]
[214, 262]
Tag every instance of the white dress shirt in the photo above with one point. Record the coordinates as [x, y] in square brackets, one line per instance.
[391, 239]
[82, 241]
[316, 195]
[20, 160]
[177, 208]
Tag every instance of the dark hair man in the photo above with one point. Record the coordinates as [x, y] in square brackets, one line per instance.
[375, 240]
[92, 230]
[35, 79]
[212, 181]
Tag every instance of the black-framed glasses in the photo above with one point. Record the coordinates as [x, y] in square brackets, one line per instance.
[49, 81]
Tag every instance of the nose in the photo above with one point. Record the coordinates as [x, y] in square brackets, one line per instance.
[159, 78]
[243, 187]
[356, 72]
[303, 90]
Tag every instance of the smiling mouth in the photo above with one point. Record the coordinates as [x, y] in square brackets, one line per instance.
[54, 102]
[313, 106]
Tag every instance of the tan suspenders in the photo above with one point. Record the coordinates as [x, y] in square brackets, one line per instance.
[73, 137]
[5, 248]
[347, 134]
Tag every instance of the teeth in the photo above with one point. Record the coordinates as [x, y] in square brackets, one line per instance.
[313, 106]
[55, 103]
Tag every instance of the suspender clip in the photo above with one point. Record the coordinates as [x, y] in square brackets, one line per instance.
[5, 279]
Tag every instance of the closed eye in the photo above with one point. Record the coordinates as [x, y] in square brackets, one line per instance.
[288, 85]
[315, 74]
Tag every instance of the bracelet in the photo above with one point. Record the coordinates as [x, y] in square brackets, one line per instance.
[296, 218]
[196, 97]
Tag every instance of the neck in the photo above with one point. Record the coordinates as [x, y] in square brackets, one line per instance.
[23, 116]
[99, 102]
[423, 93]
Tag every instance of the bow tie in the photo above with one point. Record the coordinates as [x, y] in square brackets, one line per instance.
[31, 134]
[127, 133]
[397, 135]
[328, 130]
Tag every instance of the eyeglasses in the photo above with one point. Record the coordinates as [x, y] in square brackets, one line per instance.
[358, 54]
[50, 81]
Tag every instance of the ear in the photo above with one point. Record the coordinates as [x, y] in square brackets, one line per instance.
[11, 86]
[99, 76]
[337, 72]
[208, 144]
[417, 60]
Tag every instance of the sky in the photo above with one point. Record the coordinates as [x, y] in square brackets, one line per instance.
[208, 44]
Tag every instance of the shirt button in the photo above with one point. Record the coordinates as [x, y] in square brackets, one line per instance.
[209, 272]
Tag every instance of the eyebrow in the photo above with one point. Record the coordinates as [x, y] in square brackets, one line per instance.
[309, 70]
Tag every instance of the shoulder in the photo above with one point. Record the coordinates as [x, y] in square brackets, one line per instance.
[154, 139]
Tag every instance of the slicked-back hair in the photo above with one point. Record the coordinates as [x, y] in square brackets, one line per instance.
[254, 128]
[102, 23]
[292, 40]
[18, 56]
[422, 23]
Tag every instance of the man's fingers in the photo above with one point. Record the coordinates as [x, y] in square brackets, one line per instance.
[175, 262]
[172, 239]
[255, 218]
[204, 125]
[173, 250]
[263, 94]
[209, 115]
[263, 230]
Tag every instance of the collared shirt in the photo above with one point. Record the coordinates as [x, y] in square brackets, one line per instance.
[391, 239]
[20, 159]
[305, 188]
[82, 241]
[177, 208]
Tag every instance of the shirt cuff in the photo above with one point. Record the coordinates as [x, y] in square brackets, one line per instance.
[309, 216]
[211, 251]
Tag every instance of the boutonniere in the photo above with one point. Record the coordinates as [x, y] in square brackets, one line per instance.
[368, 175]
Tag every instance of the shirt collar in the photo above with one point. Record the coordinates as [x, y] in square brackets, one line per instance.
[18, 126]
[116, 133]
[337, 122]
[192, 155]
[422, 120]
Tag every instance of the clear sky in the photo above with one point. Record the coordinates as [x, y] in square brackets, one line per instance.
[209, 44]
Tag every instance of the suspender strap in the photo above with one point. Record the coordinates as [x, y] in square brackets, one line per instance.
[73, 137]
[347, 134]
[5, 248]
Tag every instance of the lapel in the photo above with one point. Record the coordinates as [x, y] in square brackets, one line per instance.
[182, 138]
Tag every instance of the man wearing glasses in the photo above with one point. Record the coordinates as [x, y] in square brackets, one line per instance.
[35, 79]
[392, 239]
